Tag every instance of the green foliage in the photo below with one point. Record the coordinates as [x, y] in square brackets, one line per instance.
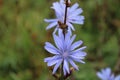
[22, 37]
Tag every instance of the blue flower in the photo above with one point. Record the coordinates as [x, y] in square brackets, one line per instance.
[117, 77]
[65, 52]
[106, 74]
[73, 16]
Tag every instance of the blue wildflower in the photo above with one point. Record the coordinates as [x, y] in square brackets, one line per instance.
[117, 77]
[106, 74]
[65, 52]
[73, 16]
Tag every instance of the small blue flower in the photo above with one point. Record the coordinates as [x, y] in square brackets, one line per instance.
[65, 52]
[73, 16]
[117, 77]
[106, 74]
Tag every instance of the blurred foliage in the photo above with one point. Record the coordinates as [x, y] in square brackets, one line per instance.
[23, 34]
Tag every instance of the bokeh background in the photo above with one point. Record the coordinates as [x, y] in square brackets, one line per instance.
[23, 34]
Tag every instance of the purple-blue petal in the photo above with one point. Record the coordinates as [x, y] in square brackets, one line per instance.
[78, 53]
[53, 61]
[77, 21]
[58, 42]
[79, 49]
[77, 59]
[56, 66]
[51, 25]
[70, 25]
[67, 39]
[50, 20]
[100, 75]
[70, 42]
[74, 7]
[76, 12]
[64, 70]
[73, 64]
[66, 66]
[49, 58]
[76, 44]
[50, 48]
[117, 77]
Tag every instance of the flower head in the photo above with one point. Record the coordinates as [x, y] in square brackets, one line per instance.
[117, 77]
[65, 52]
[73, 16]
[106, 74]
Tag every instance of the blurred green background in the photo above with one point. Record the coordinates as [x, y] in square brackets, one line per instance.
[23, 34]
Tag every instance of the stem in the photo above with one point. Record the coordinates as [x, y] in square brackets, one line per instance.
[64, 32]
[65, 17]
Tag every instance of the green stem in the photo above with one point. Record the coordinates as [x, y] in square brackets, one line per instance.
[65, 18]
[64, 31]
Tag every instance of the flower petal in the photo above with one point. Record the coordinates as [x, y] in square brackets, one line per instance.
[78, 53]
[64, 70]
[80, 61]
[60, 33]
[71, 26]
[73, 64]
[76, 12]
[66, 66]
[108, 71]
[77, 21]
[50, 20]
[50, 48]
[76, 44]
[76, 18]
[54, 61]
[117, 77]
[56, 66]
[58, 7]
[75, 6]
[70, 41]
[58, 41]
[100, 75]
[51, 25]
[79, 50]
[56, 29]
[50, 58]
[77, 59]
[67, 40]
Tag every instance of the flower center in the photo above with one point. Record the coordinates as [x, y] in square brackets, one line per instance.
[65, 54]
